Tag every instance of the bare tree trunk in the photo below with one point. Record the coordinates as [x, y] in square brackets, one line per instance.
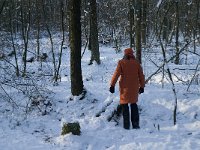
[13, 44]
[89, 40]
[25, 34]
[196, 28]
[168, 70]
[172, 82]
[138, 31]
[51, 40]
[165, 33]
[144, 21]
[131, 20]
[177, 34]
[38, 30]
[61, 47]
[95, 55]
[38, 43]
[75, 45]
[86, 26]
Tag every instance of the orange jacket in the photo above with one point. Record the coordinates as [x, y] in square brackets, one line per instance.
[131, 79]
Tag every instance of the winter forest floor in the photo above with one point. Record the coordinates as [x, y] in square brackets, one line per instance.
[34, 131]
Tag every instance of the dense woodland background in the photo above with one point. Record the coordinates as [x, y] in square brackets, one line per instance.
[171, 25]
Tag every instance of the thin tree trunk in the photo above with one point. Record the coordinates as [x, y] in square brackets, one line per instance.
[38, 30]
[172, 82]
[61, 47]
[131, 20]
[13, 45]
[196, 25]
[177, 34]
[51, 40]
[144, 21]
[38, 42]
[25, 35]
[138, 31]
[165, 33]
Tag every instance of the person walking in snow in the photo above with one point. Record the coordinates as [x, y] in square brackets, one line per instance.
[131, 84]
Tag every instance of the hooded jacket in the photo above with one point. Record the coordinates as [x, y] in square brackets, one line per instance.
[131, 77]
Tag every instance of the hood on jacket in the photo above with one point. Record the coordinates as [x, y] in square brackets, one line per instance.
[128, 53]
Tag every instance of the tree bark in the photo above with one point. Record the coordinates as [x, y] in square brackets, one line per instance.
[95, 55]
[138, 31]
[177, 33]
[13, 43]
[38, 30]
[172, 82]
[144, 21]
[25, 20]
[75, 45]
[131, 21]
[165, 33]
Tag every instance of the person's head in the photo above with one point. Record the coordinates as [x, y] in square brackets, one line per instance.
[128, 53]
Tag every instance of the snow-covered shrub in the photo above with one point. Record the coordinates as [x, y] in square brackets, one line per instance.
[24, 94]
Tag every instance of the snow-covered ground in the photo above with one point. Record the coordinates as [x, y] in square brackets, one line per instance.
[43, 132]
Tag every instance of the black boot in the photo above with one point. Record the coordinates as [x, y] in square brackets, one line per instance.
[135, 116]
[125, 111]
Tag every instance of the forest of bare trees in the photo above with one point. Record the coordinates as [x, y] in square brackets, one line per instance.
[116, 20]
[120, 21]
[114, 23]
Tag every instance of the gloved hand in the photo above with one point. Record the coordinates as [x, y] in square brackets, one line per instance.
[141, 90]
[112, 89]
